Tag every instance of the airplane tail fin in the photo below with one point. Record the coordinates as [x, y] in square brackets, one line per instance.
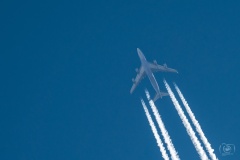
[160, 95]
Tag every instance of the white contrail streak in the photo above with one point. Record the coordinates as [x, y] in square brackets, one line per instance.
[196, 124]
[186, 124]
[155, 133]
[164, 131]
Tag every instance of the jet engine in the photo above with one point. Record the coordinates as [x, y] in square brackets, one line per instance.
[155, 62]
[165, 65]
[133, 80]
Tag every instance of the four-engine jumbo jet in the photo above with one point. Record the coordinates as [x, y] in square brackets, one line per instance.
[148, 68]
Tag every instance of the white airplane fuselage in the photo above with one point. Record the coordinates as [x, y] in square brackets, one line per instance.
[148, 71]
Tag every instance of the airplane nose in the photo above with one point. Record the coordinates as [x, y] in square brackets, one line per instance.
[138, 51]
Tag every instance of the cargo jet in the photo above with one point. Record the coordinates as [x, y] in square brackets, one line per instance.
[148, 68]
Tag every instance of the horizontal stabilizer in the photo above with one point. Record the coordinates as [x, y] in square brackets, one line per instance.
[160, 95]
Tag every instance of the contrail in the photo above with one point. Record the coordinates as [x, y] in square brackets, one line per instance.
[197, 125]
[155, 133]
[164, 131]
[186, 124]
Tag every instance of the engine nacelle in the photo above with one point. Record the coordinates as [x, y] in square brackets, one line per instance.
[137, 70]
[133, 80]
[155, 62]
[165, 65]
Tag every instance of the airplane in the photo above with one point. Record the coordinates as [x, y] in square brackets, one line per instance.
[147, 69]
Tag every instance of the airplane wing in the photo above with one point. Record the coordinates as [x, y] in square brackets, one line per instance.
[141, 74]
[158, 68]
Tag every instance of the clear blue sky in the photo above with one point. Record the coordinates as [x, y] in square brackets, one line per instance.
[66, 70]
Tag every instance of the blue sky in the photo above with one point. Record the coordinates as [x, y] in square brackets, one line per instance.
[66, 70]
